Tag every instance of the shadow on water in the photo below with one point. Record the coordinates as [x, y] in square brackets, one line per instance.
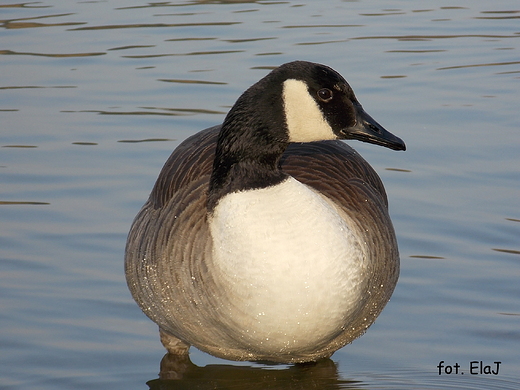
[180, 373]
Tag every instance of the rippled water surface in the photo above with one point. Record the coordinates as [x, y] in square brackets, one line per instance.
[94, 96]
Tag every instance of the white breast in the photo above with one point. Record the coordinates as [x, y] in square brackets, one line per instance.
[290, 265]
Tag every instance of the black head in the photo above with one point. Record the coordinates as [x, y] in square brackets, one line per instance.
[297, 102]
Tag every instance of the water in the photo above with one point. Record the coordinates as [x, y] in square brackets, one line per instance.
[94, 96]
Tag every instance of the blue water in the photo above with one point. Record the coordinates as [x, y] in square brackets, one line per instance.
[94, 96]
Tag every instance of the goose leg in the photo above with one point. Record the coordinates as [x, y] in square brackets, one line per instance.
[172, 344]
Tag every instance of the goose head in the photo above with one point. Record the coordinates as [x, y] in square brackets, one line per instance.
[297, 102]
[319, 104]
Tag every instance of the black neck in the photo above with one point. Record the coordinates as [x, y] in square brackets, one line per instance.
[251, 141]
[246, 158]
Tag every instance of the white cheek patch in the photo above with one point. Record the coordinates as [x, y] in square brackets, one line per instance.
[305, 120]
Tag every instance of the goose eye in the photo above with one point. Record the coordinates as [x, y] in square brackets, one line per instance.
[325, 94]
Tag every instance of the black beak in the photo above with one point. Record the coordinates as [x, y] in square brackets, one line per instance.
[368, 130]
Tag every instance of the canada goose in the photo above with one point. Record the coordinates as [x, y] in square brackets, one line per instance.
[265, 238]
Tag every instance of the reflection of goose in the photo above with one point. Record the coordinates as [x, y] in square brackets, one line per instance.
[265, 238]
[178, 372]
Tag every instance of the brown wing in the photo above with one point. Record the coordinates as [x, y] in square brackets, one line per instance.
[191, 160]
[318, 164]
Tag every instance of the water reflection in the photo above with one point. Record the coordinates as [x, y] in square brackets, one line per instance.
[153, 111]
[149, 25]
[64, 55]
[92, 95]
[478, 65]
[180, 373]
